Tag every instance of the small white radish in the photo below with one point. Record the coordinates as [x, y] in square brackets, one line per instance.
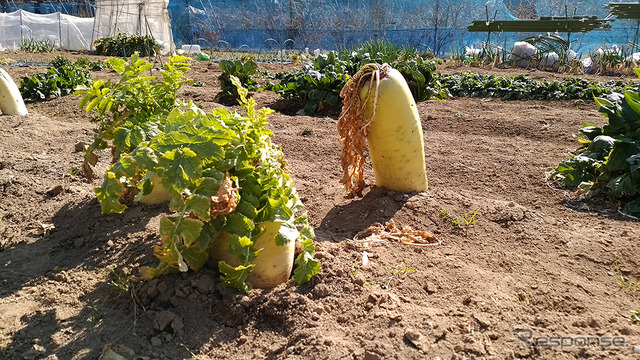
[11, 102]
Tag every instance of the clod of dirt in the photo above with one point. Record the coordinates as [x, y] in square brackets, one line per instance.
[321, 290]
[416, 339]
[162, 319]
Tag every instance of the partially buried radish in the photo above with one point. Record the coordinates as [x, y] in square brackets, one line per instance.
[379, 110]
[271, 267]
[158, 195]
[11, 102]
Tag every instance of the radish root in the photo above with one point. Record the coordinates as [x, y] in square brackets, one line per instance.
[353, 125]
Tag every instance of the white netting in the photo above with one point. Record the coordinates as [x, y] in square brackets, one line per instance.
[140, 17]
[65, 31]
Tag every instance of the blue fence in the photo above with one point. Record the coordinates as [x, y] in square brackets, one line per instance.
[300, 24]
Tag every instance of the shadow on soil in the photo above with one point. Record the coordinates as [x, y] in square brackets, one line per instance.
[158, 311]
[82, 237]
[378, 205]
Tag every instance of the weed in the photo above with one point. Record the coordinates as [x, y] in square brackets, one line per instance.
[623, 282]
[526, 297]
[96, 315]
[393, 273]
[121, 284]
[75, 171]
[470, 219]
[193, 355]
[457, 221]
[307, 132]
[635, 316]
[198, 84]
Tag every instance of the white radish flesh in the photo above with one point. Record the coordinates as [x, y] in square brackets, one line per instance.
[11, 102]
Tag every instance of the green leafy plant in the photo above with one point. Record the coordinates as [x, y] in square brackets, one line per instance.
[85, 63]
[37, 46]
[635, 316]
[130, 108]
[121, 284]
[318, 84]
[224, 176]
[126, 45]
[608, 159]
[243, 70]
[420, 76]
[60, 80]
[523, 87]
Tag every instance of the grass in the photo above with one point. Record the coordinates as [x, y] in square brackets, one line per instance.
[467, 218]
[623, 282]
[393, 273]
[635, 317]
[527, 296]
[120, 284]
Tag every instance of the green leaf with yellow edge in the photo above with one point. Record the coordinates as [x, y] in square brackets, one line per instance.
[236, 277]
[108, 194]
[307, 267]
[179, 229]
[163, 268]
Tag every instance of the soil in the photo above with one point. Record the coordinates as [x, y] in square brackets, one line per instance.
[537, 262]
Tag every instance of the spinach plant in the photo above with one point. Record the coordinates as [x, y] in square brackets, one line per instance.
[60, 80]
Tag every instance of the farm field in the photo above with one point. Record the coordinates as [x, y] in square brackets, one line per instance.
[535, 262]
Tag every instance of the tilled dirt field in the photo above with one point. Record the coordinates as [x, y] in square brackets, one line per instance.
[540, 264]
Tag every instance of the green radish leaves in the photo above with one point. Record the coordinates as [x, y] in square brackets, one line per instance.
[224, 176]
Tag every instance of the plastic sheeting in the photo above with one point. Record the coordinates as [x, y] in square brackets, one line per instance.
[66, 31]
[439, 25]
[139, 17]
[83, 8]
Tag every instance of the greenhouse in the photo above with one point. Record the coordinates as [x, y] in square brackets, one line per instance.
[439, 26]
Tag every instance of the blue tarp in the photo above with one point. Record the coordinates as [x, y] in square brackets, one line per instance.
[80, 9]
[335, 24]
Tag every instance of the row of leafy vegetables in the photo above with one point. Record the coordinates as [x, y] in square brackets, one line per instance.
[607, 162]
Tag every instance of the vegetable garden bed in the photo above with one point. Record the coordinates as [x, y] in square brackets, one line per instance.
[518, 251]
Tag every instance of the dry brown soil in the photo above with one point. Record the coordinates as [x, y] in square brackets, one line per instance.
[539, 257]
